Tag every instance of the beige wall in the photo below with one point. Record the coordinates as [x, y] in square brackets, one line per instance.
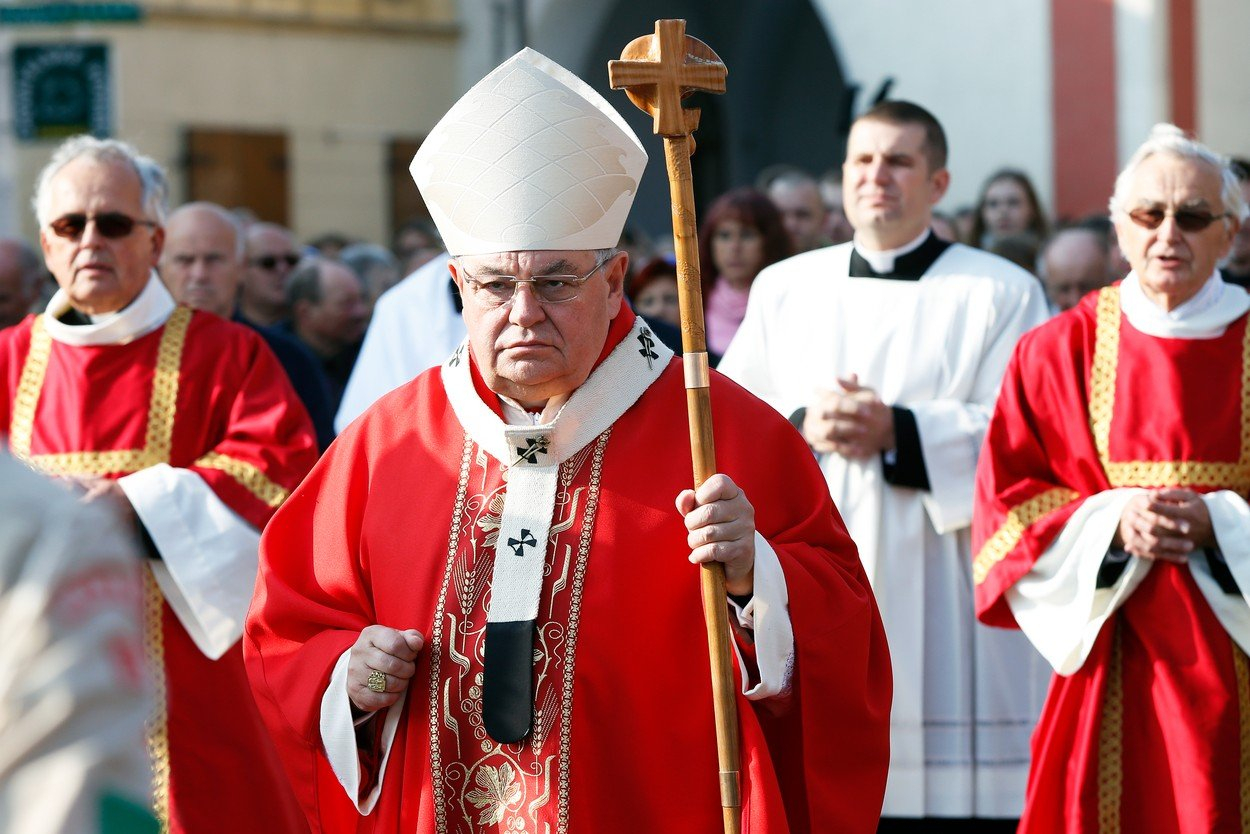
[1223, 28]
[339, 93]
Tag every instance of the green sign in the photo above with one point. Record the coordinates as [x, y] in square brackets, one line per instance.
[42, 14]
[61, 90]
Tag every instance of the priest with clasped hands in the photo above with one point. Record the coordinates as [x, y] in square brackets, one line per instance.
[1112, 523]
[479, 612]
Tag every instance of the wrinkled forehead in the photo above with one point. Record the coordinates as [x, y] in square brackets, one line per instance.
[96, 183]
[1167, 179]
[535, 262]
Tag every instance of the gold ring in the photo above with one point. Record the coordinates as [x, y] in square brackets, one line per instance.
[376, 681]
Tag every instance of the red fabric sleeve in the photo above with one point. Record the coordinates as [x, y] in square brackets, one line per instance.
[1038, 462]
[266, 444]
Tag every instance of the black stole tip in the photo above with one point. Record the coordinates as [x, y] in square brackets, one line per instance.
[508, 680]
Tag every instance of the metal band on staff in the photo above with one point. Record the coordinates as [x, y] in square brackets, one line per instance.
[696, 369]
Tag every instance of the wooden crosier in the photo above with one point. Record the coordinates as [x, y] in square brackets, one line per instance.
[657, 72]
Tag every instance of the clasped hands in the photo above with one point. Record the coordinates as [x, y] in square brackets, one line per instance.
[853, 422]
[720, 525]
[1165, 525]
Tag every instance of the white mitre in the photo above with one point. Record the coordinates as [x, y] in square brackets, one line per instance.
[531, 158]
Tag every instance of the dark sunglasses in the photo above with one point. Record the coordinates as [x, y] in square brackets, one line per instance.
[270, 262]
[1189, 220]
[111, 224]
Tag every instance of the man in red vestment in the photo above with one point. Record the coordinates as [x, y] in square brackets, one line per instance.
[187, 423]
[478, 613]
[1111, 518]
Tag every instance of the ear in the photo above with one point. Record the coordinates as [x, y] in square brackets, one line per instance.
[1231, 226]
[939, 183]
[456, 275]
[614, 272]
[299, 310]
[158, 244]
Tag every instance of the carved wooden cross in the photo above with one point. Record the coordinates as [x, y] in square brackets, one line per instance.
[658, 71]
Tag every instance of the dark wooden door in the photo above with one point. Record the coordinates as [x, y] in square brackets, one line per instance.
[239, 169]
[406, 202]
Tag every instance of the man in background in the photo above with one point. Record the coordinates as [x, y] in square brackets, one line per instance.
[202, 265]
[1075, 261]
[22, 275]
[270, 253]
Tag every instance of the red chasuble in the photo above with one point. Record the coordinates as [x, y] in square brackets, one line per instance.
[202, 394]
[1152, 732]
[399, 525]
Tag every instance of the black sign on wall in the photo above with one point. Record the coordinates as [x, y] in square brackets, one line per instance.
[61, 90]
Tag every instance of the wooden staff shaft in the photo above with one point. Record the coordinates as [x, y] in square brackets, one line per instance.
[703, 453]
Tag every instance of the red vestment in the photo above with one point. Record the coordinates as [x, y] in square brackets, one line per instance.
[201, 394]
[1152, 732]
[623, 737]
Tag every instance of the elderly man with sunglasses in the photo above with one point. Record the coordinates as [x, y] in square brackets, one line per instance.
[186, 425]
[1112, 524]
[478, 613]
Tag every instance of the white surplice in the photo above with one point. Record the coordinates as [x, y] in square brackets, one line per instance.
[966, 696]
[415, 326]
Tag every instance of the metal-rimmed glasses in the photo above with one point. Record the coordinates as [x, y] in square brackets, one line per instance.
[500, 290]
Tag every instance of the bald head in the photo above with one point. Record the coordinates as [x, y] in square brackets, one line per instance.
[21, 275]
[1075, 262]
[203, 259]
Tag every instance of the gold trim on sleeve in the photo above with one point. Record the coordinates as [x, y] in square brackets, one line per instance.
[248, 475]
[1019, 518]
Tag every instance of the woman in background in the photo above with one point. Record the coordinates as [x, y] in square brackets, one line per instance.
[741, 234]
[1008, 206]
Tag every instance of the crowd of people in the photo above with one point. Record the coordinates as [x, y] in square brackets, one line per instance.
[405, 532]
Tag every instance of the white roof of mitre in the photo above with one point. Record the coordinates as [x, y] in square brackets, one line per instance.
[531, 158]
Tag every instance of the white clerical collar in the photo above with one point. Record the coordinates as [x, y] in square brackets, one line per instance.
[1205, 316]
[150, 309]
[533, 452]
[515, 414]
[884, 261]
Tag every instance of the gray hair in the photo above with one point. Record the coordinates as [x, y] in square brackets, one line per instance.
[304, 282]
[1170, 139]
[362, 257]
[155, 194]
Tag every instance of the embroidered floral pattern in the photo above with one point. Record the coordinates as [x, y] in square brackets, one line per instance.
[496, 790]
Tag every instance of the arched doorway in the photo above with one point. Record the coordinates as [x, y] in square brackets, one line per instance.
[786, 99]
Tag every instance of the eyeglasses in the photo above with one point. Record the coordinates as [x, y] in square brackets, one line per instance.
[499, 290]
[1189, 220]
[110, 224]
[270, 262]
